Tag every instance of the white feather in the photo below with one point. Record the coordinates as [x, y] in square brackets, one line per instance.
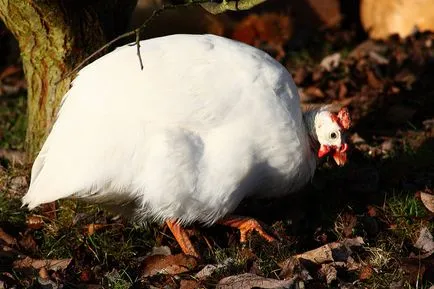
[206, 123]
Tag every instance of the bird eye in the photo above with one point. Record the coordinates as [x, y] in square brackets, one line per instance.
[333, 135]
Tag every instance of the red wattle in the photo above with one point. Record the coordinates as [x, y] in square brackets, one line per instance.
[323, 150]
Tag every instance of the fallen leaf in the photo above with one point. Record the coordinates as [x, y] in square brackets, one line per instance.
[366, 47]
[8, 239]
[372, 80]
[330, 62]
[343, 90]
[47, 283]
[10, 70]
[172, 264]
[332, 252]
[268, 31]
[85, 276]
[290, 267]
[209, 269]
[372, 211]
[349, 221]
[92, 228]
[378, 58]
[329, 272]
[34, 222]
[49, 264]
[189, 284]
[413, 268]
[366, 272]
[314, 91]
[49, 210]
[299, 75]
[248, 281]
[27, 242]
[43, 273]
[425, 241]
[428, 200]
[160, 250]
[317, 74]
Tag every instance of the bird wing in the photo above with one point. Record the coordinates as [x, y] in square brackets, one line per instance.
[113, 109]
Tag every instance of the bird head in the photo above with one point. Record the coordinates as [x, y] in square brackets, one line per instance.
[329, 131]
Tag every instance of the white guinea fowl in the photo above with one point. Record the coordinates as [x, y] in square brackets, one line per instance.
[206, 123]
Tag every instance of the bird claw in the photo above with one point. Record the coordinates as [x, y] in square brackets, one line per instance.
[182, 238]
[246, 226]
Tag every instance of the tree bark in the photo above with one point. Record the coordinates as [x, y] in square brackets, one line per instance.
[54, 36]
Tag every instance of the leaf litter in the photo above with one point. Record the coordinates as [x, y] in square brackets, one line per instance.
[387, 232]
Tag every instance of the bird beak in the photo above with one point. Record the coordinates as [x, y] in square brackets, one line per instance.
[339, 154]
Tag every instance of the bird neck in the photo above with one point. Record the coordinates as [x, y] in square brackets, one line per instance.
[309, 121]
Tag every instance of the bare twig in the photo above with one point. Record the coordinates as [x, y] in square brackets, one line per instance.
[136, 32]
[138, 48]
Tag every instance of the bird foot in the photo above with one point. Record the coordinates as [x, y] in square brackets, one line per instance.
[182, 238]
[246, 225]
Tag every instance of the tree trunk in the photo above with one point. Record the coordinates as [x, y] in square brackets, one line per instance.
[54, 36]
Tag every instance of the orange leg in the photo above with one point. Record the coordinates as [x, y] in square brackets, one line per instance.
[182, 238]
[246, 225]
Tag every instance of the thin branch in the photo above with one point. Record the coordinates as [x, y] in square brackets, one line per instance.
[138, 48]
[136, 32]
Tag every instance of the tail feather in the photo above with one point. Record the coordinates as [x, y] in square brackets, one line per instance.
[45, 185]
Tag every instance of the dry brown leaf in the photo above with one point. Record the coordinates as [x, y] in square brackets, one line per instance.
[299, 75]
[290, 267]
[331, 61]
[209, 269]
[160, 250]
[8, 239]
[172, 264]
[314, 91]
[43, 273]
[248, 281]
[329, 272]
[349, 221]
[413, 268]
[372, 80]
[92, 228]
[189, 284]
[372, 211]
[366, 272]
[49, 210]
[49, 264]
[425, 241]
[27, 242]
[336, 251]
[428, 200]
[9, 71]
[85, 276]
[343, 90]
[269, 31]
[34, 222]
[332, 252]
